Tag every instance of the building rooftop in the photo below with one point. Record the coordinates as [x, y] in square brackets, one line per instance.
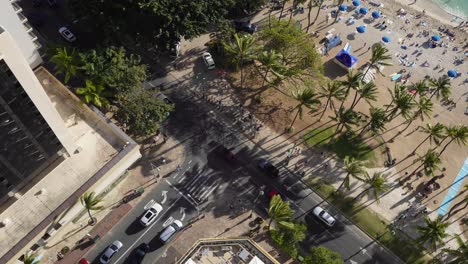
[226, 251]
[97, 145]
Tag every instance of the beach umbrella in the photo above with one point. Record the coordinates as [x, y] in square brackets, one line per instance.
[435, 38]
[375, 14]
[343, 8]
[363, 10]
[361, 29]
[356, 3]
[386, 39]
[452, 73]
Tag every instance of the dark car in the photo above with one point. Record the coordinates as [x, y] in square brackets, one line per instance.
[245, 26]
[140, 253]
[269, 168]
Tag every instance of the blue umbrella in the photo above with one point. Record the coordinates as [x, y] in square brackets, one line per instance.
[452, 73]
[361, 29]
[343, 8]
[375, 14]
[435, 38]
[356, 3]
[363, 10]
[386, 39]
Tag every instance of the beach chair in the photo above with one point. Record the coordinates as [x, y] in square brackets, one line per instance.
[394, 77]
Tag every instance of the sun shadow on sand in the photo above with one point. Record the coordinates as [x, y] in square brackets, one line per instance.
[333, 70]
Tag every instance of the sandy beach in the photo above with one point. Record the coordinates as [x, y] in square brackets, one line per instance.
[432, 10]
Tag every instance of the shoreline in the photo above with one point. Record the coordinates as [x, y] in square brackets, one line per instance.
[432, 10]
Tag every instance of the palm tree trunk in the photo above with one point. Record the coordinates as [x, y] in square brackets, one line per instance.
[420, 144]
[355, 103]
[406, 127]
[455, 206]
[347, 93]
[308, 16]
[357, 197]
[282, 9]
[363, 130]
[342, 183]
[242, 71]
[90, 216]
[294, 120]
[317, 15]
[445, 147]
[269, 18]
[418, 168]
[368, 69]
[324, 109]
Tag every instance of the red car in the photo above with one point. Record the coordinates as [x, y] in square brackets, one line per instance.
[272, 193]
[84, 261]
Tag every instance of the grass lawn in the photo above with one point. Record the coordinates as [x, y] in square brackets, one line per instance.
[399, 243]
[344, 145]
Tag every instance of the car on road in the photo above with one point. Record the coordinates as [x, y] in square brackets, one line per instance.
[151, 214]
[140, 253]
[167, 233]
[208, 59]
[67, 34]
[84, 261]
[245, 26]
[268, 168]
[110, 251]
[324, 216]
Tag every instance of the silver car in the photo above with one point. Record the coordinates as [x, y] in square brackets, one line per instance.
[324, 216]
[67, 34]
[110, 251]
[208, 59]
[170, 231]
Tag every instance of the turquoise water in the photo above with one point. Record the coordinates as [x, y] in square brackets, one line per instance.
[455, 7]
[443, 209]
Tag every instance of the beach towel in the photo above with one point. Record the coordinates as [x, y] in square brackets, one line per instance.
[395, 76]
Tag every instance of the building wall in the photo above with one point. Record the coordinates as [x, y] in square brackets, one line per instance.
[21, 31]
[11, 54]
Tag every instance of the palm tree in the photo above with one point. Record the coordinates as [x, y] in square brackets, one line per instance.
[377, 185]
[352, 82]
[368, 91]
[420, 88]
[433, 232]
[424, 109]
[30, 259]
[333, 90]
[319, 4]
[271, 62]
[458, 133]
[91, 203]
[402, 104]
[380, 57]
[279, 211]
[345, 118]
[430, 162]
[282, 9]
[441, 88]
[66, 62]
[307, 98]
[434, 134]
[376, 122]
[240, 50]
[93, 94]
[353, 168]
[459, 255]
[295, 4]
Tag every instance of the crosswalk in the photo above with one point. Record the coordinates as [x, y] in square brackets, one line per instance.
[200, 186]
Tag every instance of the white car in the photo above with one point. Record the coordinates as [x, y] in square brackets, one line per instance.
[208, 59]
[151, 214]
[170, 231]
[324, 216]
[66, 34]
[110, 251]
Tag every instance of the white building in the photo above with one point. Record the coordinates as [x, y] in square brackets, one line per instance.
[13, 21]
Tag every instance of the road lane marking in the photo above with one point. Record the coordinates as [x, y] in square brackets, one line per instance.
[183, 195]
[146, 231]
[168, 221]
[181, 180]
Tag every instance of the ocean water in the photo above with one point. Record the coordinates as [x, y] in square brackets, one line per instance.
[455, 7]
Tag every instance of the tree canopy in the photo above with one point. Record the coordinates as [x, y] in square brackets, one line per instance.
[142, 112]
[322, 255]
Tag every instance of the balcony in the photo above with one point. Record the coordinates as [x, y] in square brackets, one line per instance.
[28, 26]
[16, 7]
[22, 18]
[32, 35]
[38, 45]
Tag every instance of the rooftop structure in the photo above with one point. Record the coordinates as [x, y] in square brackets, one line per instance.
[226, 251]
[13, 21]
[53, 149]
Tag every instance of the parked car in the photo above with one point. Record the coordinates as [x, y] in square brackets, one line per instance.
[208, 59]
[167, 233]
[245, 26]
[151, 214]
[110, 251]
[84, 261]
[140, 253]
[67, 34]
[269, 168]
[324, 216]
